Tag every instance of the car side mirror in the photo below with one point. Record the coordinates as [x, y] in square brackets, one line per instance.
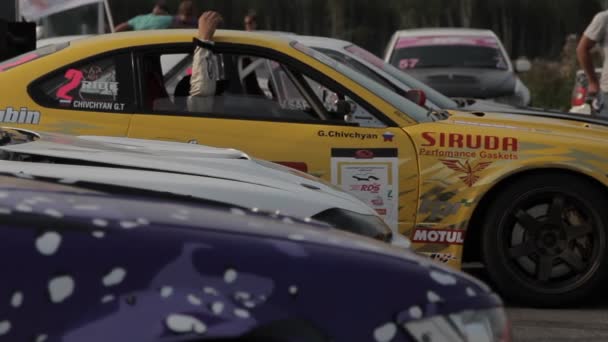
[417, 96]
[522, 64]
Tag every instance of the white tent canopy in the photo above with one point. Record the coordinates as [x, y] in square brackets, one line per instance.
[37, 9]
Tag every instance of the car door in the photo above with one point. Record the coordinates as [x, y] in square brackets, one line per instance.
[274, 110]
[93, 96]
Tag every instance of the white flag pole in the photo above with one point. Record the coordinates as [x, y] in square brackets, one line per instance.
[101, 19]
[17, 13]
[109, 14]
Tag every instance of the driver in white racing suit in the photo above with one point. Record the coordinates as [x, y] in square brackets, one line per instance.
[203, 82]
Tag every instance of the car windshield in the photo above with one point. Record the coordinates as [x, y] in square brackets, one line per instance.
[448, 52]
[30, 56]
[435, 97]
[405, 106]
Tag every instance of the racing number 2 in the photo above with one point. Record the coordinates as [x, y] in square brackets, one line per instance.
[75, 77]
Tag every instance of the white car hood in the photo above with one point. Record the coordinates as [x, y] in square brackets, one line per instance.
[225, 175]
[305, 203]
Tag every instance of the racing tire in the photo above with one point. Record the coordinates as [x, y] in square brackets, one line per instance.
[544, 240]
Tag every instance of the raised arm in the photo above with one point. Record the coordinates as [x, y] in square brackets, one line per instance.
[583, 52]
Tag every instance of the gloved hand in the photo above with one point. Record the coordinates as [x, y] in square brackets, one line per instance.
[207, 24]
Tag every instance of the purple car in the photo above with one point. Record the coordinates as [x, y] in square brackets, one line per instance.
[87, 263]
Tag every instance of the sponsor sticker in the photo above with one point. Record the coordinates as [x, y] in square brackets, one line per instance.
[408, 63]
[439, 236]
[468, 146]
[347, 135]
[95, 105]
[74, 77]
[371, 175]
[438, 209]
[365, 177]
[92, 73]
[378, 201]
[99, 88]
[407, 42]
[22, 115]
[90, 89]
[470, 170]
[388, 137]
[364, 154]
[443, 258]
[373, 188]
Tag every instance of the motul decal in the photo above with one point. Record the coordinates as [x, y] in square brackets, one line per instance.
[439, 236]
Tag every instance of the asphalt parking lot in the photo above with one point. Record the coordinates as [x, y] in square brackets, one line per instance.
[583, 324]
[588, 322]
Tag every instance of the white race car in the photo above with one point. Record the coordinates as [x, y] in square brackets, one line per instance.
[201, 172]
[459, 62]
[400, 81]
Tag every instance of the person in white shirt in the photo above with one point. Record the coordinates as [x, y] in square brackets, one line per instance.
[595, 34]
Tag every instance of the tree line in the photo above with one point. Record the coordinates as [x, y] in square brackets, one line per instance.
[534, 28]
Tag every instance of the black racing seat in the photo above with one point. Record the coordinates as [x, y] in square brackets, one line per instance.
[181, 93]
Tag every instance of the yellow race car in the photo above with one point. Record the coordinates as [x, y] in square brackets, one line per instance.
[524, 195]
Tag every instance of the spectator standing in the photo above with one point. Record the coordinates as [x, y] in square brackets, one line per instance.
[595, 34]
[185, 17]
[158, 19]
[251, 21]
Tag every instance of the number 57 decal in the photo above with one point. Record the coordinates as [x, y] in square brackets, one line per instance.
[75, 77]
[408, 63]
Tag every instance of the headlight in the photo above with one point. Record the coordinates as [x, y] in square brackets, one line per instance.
[468, 326]
[366, 225]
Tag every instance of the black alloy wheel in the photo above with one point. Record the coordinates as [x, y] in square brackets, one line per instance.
[544, 241]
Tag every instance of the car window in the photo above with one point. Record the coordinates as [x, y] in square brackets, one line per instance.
[438, 99]
[404, 106]
[252, 88]
[448, 52]
[338, 106]
[435, 99]
[351, 62]
[404, 82]
[341, 106]
[174, 67]
[397, 85]
[100, 84]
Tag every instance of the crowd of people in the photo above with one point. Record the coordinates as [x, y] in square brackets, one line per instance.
[595, 34]
[187, 17]
[202, 83]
